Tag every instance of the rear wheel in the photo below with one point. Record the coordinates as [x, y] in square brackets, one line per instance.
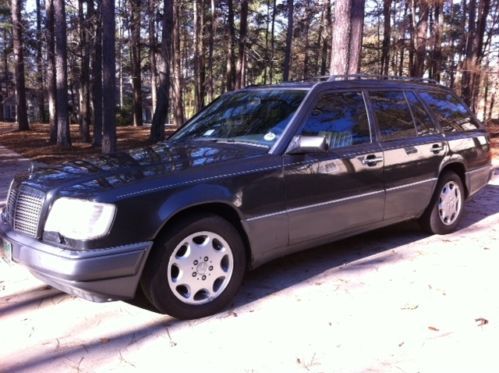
[443, 214]
[196, 268]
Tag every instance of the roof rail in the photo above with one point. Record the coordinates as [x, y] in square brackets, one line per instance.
[331, 78]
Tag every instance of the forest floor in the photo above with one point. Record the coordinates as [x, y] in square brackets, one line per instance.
[35, 144]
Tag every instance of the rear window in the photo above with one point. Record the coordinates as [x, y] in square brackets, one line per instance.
[452, 114]
[424, 124]
[392, 115]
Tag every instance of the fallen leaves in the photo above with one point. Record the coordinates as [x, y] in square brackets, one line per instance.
[481, 321]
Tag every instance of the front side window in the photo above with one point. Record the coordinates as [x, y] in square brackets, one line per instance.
[256, 116]
[341, 117]
[452, 114]
[392, 115]
[424, 124]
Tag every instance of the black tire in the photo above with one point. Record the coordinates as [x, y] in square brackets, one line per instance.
[434, 220]
[166, 270]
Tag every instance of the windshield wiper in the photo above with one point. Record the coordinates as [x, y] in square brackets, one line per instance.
[233, 141]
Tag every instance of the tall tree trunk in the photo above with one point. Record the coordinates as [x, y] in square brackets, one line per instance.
[178, 99]
[347, 37]
[211, 33]
[327, 39]
[17, 33]
[289, 41]
[108, 77]
[385, 57]
[39, 62]
[136, 62]
[243, 32]
[61, 75]
[420, 30]
[119, 57]
[437, 60]
[231, 58]
[84, 92]
[199, 69]
[152, 54]
[478, 51]
[307, 42]
[162, 109]
[97, 72]
[51, 84]
[272, 42]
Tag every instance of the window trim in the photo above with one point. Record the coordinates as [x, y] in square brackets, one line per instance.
[379, 136]
[328, 90]
[435, 123]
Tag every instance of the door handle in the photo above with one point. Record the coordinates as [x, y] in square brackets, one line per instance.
[437, 148]
[371, 160]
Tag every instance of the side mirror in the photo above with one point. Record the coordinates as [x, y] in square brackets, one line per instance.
[307, 144]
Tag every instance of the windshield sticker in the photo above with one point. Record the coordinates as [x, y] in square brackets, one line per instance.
[269, 136]
[209, 132]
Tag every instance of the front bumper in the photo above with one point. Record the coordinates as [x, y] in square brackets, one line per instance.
[98, 275]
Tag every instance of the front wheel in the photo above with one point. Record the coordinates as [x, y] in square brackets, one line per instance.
[196, 268]
[444, 212]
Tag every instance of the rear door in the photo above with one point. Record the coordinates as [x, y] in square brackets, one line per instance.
[342, 189]
[412, 148]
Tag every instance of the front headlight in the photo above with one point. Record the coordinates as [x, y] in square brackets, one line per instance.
[80, 219]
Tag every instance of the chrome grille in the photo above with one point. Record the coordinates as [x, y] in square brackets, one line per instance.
[24, 207]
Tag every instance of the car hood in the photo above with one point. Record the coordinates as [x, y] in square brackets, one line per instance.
[104, 172]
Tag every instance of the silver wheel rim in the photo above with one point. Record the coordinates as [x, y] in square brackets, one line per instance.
[200, 268]
[449, 203]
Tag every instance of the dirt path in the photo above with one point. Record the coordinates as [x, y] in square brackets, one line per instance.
[394, 300]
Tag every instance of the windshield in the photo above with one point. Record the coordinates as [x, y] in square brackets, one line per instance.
[254, 117]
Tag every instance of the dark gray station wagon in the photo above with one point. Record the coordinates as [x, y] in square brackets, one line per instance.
[260, 173]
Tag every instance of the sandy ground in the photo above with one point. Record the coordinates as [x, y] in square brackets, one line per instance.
[393, 300]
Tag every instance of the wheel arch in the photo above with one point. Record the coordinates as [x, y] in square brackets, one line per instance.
[460, 170]
[219, 208]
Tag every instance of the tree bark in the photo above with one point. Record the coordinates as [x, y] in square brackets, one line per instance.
[347, 37]
[163, 107]
[231, 58]
[51, 84]
[108, 77]
[327, 39]
[243, 32]
[17, 34]
[199, 69]
[136, 62]
[97, 72]
[420, 30]
[306, 37]
[61, 75]
[152, 53]
[84, 91]
[178, 99]
[272, 42]
[211, 33]
[289, 41]
[437, 49]
[39, 62]
[385, 56]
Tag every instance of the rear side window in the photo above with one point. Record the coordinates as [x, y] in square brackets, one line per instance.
[392, 115]
[451, 113]
[424, 125]
[341, 117]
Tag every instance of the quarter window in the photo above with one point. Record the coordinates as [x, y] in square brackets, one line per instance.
[341, 117]
[424, 125]
[392, 114]
[451, 113]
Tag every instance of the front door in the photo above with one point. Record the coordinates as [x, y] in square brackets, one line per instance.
[340, 190]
